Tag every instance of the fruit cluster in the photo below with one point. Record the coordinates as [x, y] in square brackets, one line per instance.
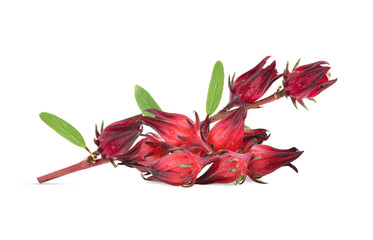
[180, 148]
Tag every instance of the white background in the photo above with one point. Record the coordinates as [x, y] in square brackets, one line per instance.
[81, 59]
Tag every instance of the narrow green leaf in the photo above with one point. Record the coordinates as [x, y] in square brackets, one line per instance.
[63, 128]
[215, 88]
[145, 101]
[247, 128]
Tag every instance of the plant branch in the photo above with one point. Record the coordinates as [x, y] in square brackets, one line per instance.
[273, 97]
[87, 163]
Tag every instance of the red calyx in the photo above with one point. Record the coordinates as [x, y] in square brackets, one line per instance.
[252, 85]
[230, 167]
[267, 159]
[252, 137]
[307, 81]
[145, 153]
[177, 129]
[228, 132]
[118, 137]
[179, 168]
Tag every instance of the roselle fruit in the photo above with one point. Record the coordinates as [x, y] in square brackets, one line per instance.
[267, 159]
[118, 137]
[228, 132]
[177, 129]
[145, 153]
[179, 168]
[251, 138]
[252, 85]
[229, 167]
[307, 81]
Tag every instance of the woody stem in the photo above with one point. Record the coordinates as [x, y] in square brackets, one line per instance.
[266, 100]
[87, 163]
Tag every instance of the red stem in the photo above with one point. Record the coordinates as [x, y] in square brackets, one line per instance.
[73, 168]
[266, 100]
[269, 99]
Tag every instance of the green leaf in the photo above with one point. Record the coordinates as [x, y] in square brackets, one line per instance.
[145, 101]
[215, 88]
[247, 128]
[63, 128]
